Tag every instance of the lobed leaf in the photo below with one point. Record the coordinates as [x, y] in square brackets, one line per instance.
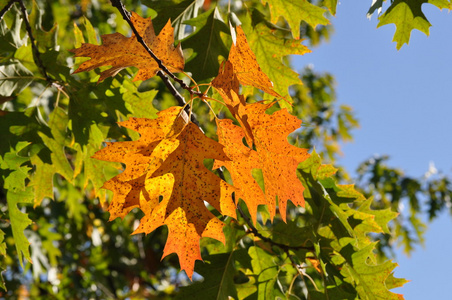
[270, 51]
[296, 11]
[167, 162]
[274, 155]
[121, 52]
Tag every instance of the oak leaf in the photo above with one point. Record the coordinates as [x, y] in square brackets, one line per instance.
[227, 84]
[270, 51]
[246, 67]
[120, 52]
[296, 11]
[274, 155]
[166, 178]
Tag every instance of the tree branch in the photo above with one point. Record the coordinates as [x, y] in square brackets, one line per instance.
[254, 231]
[37, 55]
[6, 8]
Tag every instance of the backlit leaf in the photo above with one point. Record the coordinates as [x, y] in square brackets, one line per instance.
[246, 66]
[121, 52]
[14, 78]
[167, 161]
[274, 155]
[296, 11]
[270, 51]
[370, 278]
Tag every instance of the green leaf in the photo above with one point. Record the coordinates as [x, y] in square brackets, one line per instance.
[406, 15]
[207, 44]
[19, 220]
[441, 3]
[296, 11]
[139, 104]
[42, 180]
[14, 78]
[57, 141]
[16, 192]
[290, 234]
[313, 165]
[369, 278]
[2, 253]
[178, 11]
[218, 271]
[10, 35]
[382, 217]
[331, 5]
[266, 272]
[45, 40]
[270, 51]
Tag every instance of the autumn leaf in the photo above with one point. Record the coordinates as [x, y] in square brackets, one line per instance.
[227, 84]
[166, 178]
[120, 52]
[241, 68]
[243, 161]
[270, 51]
[274, 155]
[246, 67]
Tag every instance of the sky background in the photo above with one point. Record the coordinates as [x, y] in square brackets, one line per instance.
[403, 102]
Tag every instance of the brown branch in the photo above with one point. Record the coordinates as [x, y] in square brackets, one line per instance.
[254, 231]
[170, 86]
[164, 70]
[6, 8]
[37, 55]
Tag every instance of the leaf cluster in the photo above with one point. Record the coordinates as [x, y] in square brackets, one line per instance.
[317, 245]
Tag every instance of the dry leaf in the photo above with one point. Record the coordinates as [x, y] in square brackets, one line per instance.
[274, 155]
[246, 67]
[120, 52]
[166, 178]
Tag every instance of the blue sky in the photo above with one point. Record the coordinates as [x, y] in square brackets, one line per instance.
[403, 102]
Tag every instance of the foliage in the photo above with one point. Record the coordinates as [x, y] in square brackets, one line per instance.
[406, 15]
[217, 173]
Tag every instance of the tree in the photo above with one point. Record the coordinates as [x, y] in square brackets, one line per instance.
[243, 100]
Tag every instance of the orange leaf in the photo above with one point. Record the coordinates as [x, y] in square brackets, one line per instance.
[165, 177]
[227, 85]
[274, 155]
[243, 161]
[246, 67]
[279, 159]
[120, 52]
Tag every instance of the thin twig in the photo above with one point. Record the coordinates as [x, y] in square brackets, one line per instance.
[254, 231]
[126, 16]
[170, 86]
[37, 55]
[6, 8]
